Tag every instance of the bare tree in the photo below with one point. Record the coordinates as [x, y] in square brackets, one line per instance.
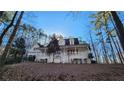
[119, 26]
[4, 55]
[7, 28]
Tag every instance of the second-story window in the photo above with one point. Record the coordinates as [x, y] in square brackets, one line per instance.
[77, 51]
[72, 51]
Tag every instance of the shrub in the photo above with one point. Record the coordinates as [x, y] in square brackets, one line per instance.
[31, 58]
[93, 61]
[12, 60]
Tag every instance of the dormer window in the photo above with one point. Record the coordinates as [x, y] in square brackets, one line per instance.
[71, 41]
[35, 48]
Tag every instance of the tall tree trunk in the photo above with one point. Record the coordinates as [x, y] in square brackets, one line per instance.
[119, 26]
[103, 57]
[92, 43]
[118, 47]
[53, 57]
[119, 50]
[98, 56]
[4, 55]
[1, 13]
[105, 51]
[7, 28]
[110, 43]
[112, 50]
[45, 40]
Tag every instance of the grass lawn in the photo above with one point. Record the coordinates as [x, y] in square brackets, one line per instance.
[59, 72]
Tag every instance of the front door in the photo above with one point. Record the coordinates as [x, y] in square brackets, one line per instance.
[57, 59]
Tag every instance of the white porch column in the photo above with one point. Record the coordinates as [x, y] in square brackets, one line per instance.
[75, 52]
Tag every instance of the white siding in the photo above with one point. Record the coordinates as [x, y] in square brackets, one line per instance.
[78, 52]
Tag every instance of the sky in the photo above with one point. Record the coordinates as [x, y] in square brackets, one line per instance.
[64, 23]
[74, 24]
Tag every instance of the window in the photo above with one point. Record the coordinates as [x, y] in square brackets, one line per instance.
[34, 48]
[77, 51]
[71, 51]
[71, 41]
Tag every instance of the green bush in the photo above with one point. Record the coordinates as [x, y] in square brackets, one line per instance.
[12, 60]
[31, 58]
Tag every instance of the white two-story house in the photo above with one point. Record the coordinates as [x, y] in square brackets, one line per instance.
[71, 51]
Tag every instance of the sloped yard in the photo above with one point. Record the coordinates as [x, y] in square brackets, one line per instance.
[59, 72]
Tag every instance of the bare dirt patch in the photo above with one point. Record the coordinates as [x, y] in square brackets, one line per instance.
[63, 72]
